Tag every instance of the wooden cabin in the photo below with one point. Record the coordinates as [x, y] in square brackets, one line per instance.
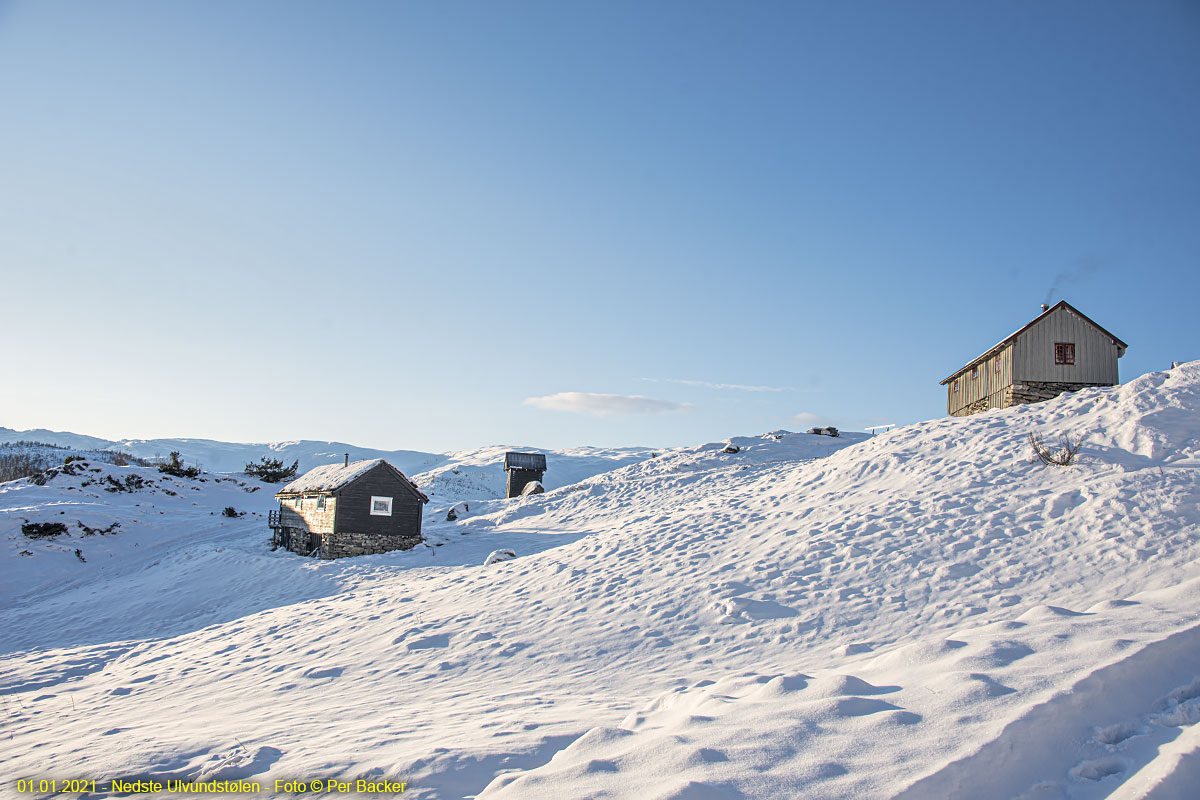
[522, 468]
[350, 509]
[1060, 350]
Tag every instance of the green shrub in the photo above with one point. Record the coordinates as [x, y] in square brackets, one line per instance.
[43, 530]
[175, 467]
[271, 470]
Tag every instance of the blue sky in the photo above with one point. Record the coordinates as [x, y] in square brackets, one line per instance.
[443, 225]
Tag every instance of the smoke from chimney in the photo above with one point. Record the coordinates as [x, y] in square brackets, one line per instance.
[1081, 271]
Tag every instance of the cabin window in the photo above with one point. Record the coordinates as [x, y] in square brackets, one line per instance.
[299, 503]
[320, 502]
[997, 363]
[975, 373]
[955, 385]
[1064, 353]
[381, 506]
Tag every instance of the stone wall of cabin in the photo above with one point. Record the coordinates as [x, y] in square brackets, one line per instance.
[344, 545]
[1037, 391]
[297, 540]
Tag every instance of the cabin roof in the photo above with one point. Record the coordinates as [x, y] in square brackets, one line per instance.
[991, 351]
[328, 477]
[331, 477]
[525, 461]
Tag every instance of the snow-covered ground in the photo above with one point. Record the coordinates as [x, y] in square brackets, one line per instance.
[457, 475]
[928, 613]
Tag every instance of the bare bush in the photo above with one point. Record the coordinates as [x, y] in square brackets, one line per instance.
[1063, 456]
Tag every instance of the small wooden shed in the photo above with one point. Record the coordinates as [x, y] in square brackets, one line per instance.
[522, 468]
[350, 509]
[1060, 350]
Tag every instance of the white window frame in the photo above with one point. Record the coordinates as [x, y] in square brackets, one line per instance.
[377, 513]
[320, 502]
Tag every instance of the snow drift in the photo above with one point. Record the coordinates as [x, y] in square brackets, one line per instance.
[927, 613]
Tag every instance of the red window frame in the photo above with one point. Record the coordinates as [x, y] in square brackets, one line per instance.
[1064, 353]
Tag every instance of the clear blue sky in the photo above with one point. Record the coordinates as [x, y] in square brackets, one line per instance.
[395, 223]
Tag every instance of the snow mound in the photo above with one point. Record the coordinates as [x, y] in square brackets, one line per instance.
[928, 613]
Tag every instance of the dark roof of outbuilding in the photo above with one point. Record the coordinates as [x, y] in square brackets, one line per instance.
[525, 461]
[986, 354]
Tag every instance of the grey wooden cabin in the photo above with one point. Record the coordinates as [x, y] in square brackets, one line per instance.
[1060, 350]
[522, 468]
[350, 509]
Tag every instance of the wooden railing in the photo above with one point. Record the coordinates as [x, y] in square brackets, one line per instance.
[273, 520]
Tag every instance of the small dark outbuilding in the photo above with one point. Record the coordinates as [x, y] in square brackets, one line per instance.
[522, 468]
[340, 510]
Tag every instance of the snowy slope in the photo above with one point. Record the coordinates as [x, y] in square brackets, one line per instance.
[458, 475]
[924, 614]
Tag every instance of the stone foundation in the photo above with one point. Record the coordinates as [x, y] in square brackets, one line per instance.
[976, 407]
[1037, 391]
[296, 540]
[342, 545]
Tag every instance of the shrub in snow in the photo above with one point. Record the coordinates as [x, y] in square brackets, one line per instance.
[175, 467]
[131, 483]
[43, 530]
[1054, 458]
[496, 556]
[271, 470]
[229, 511]
[456, 511]
[533, 487]
[89, 531]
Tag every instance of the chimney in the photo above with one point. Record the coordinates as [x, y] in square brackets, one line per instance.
[1045, 308]
[347, 459]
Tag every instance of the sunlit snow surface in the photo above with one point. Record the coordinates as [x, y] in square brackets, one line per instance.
[928, 613]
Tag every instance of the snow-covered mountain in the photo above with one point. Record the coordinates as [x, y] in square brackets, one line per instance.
[456, 475]
[929, 613]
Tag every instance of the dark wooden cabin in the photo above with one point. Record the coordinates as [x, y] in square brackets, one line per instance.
[522, 468]
[340, 510]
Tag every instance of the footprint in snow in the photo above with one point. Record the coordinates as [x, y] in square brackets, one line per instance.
[1098, 769]
[317, 673]
[437, 640]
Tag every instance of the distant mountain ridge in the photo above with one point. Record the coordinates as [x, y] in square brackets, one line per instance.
[464, 473]
[217, 456]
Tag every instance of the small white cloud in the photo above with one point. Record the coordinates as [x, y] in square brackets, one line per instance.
[604, 405]
[806, 419]
[739, 387]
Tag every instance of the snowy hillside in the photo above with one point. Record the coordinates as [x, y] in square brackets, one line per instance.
[464, 474]
[928, 613]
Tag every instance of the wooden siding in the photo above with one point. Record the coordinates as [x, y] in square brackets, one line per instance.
[1095, 353]
[990, 383]
[517, 478]
[308, 518]
[354, 505]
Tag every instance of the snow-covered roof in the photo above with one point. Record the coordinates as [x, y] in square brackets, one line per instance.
[328, 477]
